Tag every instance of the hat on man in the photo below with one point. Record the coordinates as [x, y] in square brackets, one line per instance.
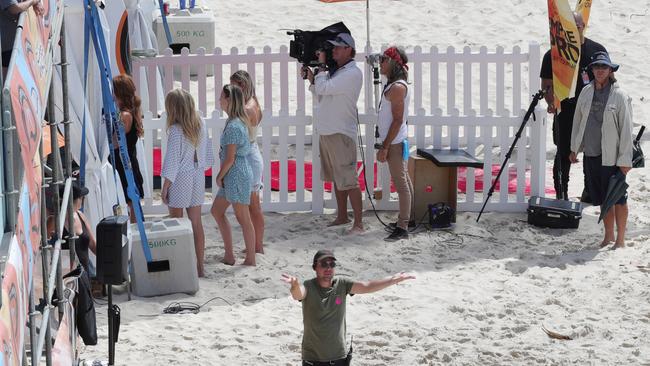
[77, 190]
[343, 40]
[602, 58]
[323, 254]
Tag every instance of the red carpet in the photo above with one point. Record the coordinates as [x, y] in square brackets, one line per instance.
[291, 168]
[512, 180]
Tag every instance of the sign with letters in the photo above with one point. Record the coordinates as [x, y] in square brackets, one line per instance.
[565, 46]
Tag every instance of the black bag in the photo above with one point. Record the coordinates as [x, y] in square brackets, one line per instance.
[558, 214]
[440, 215]
[638, 159]
[84, 307]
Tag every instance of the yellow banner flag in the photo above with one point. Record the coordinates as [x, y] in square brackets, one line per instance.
[565, 50]
[583, 7]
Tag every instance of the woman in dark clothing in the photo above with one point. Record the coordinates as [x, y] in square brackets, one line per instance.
[85, 236]
[131, 118]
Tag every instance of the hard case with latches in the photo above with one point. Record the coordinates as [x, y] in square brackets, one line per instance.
[552, 213]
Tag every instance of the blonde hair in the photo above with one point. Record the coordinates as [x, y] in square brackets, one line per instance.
[244, 78]
[236, 107]
[179, 105]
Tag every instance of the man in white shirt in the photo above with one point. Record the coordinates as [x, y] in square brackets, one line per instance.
[336, 93]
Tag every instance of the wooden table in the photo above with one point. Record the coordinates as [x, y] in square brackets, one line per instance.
[434, 175]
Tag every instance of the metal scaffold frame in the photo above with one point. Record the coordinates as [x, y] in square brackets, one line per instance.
[51, 173]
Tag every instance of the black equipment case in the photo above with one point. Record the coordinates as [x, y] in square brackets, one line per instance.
[557, 214]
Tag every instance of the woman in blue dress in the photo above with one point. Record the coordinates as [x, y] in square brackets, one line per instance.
[252, 108]
[235, 176]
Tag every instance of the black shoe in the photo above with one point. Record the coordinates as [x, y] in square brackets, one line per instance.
[391, 226]
[397, 234]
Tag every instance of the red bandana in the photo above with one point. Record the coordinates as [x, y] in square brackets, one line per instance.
[393, 54]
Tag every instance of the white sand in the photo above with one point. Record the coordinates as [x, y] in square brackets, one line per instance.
[482, 291]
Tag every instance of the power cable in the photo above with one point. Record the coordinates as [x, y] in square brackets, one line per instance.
[184, 307]
[363, 164]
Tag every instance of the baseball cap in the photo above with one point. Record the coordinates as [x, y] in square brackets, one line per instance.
[323, 254]
[77, 190]
[343, 39]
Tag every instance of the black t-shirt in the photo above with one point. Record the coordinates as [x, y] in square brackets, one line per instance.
[586, 51]
[81, 244]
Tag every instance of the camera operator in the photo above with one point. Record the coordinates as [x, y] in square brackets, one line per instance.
[336, 94]
[393, 112]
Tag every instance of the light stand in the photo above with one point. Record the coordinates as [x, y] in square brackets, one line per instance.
[376, 82]
[111, 330]
[536, 98]
[373, 61]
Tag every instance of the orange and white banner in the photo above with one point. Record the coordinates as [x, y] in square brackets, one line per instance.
[565, 49]
[583, 7]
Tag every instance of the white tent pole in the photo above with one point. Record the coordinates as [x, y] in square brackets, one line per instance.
[368, 25]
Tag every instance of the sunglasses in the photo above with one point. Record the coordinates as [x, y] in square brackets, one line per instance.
[328, 264]
[341, 40]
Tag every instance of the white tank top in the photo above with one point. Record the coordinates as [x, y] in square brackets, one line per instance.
[385, 117]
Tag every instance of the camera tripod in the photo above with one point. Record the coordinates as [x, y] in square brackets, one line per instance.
[536, 98]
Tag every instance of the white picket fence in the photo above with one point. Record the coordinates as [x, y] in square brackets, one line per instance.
[469, 100]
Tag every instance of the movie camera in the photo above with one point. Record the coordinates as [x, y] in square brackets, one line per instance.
[306, 43]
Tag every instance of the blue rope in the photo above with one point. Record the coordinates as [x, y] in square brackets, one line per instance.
[82, 161]
[168, 34]
[111, 118]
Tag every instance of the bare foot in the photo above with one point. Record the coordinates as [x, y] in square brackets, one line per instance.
[606, 242]
[338, 222]
[228, 261]
[619, 246]
[249, 263]
[357, 230]
[258, 251]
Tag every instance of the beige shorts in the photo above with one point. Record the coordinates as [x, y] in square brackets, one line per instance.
[338, 161]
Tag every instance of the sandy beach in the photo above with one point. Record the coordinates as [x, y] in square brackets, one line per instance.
[483, 291]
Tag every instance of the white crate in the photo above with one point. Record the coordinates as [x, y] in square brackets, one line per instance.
[195, 26]
[171, 243]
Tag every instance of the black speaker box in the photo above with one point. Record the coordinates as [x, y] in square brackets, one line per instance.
[112, 250]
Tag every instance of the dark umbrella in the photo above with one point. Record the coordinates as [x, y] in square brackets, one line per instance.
[615, 190]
